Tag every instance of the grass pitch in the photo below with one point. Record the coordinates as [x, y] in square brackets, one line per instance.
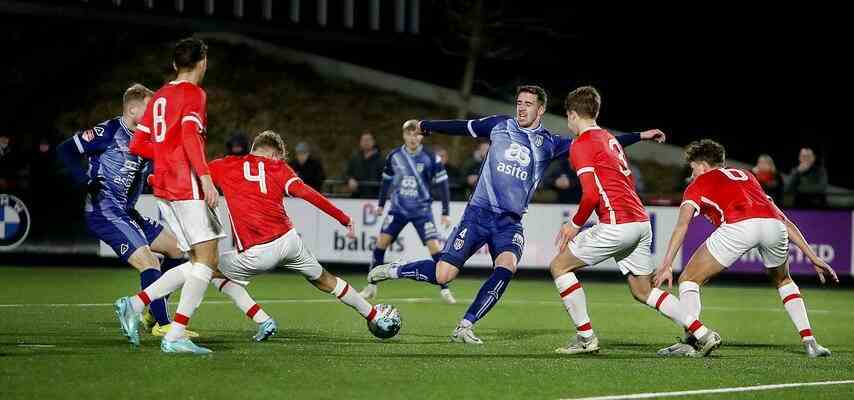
[59, 339]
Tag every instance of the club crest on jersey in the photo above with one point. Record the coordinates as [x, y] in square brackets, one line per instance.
[14, 222]
[538, 141]
[519, 240]
[419, 167]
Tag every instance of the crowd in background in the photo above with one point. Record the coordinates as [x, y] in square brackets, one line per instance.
[805, 186]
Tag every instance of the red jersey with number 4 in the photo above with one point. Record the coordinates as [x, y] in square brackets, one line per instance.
[255, 189]
[597, 152]
[172, 133]
[728, 195]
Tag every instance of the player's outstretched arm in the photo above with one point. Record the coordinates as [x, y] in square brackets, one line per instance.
[821, 267]
[305, 192]
[664, 273]
[478, 128]
[194, 147]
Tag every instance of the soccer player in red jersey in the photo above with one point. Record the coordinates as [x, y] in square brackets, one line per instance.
[255, 186]
[172, 133]
[623, 232]
[745, 218]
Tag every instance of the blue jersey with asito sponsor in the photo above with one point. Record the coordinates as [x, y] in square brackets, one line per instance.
[411, 176]
[517, 159]
[106, 147]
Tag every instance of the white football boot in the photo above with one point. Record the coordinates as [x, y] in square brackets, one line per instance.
[815, 350]
[382, 272]
[580, 345]
[707, 344]
[448, 296]
[465, 335]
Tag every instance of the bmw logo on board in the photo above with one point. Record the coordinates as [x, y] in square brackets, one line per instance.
[14, 222]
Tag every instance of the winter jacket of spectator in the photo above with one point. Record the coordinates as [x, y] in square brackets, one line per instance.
[311, 172]
[368, 172]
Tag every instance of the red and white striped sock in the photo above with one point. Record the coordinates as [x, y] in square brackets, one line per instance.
[347, 295]
[241, 299]
[697, 328]
[192, 294]
[794, 305]
[666, 304]
[689, 299]
[169, 282]
[575, 302]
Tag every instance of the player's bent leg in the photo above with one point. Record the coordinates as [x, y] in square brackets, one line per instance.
[204, 257]
[794, 304]
[574, 299]
[700, 268]
[149, 266]
[487, 297]
[436, 253]
[238, 294]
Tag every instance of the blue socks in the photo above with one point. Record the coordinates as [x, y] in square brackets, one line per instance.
[436, 258]
[422, 270]
[378, 258]
[489, 294]
[157, 307]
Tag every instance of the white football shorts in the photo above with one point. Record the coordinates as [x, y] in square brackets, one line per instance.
[191, 221]
[287, 251]
[768, 235]
[628, 244]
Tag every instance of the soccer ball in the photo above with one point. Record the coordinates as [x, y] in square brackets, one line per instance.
[387, 322]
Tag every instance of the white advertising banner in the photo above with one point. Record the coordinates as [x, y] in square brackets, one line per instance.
[328, 241]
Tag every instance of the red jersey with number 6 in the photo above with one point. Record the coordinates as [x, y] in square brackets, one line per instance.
[597, 152]
[255, 189]
[172, 133]
[729, 195]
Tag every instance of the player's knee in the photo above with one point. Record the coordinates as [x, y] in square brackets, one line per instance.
[445, 273]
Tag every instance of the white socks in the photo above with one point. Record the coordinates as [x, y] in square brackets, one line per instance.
[192, 294]
[689, 299]
[794, 305]
[666, 304]
[347, 295]
[169, 282]
[241, 298]
[575, 302]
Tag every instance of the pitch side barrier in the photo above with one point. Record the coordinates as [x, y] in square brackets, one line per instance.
[830, 232]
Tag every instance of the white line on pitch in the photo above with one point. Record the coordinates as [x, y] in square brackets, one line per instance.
[435, 300]
[714, 391]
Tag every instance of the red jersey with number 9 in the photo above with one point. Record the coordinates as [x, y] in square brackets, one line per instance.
[173, 128]
[729, 195]
[597, 152]
[255, 189]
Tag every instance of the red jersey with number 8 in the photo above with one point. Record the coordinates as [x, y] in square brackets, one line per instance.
[255, 189]
[729, 195]
[597, 152]
[172, 133]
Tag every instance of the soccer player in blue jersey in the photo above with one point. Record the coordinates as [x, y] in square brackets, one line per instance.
[520, 151]
[113, 182]
[409, 172]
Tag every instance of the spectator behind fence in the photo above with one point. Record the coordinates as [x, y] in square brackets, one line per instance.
[10, 165]
[307, 167]
[453, 175]
[365, 169]
[808, 181]
[471, 168]
[563, 180]
[771, 180]
[237, 145]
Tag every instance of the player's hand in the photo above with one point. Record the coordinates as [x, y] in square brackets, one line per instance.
[822, 267]
[94, 186]
[653, 134]
[351, 230]
[208, 188]
[664, 274]
[446, 221]
[565, 235]
[378, 211]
